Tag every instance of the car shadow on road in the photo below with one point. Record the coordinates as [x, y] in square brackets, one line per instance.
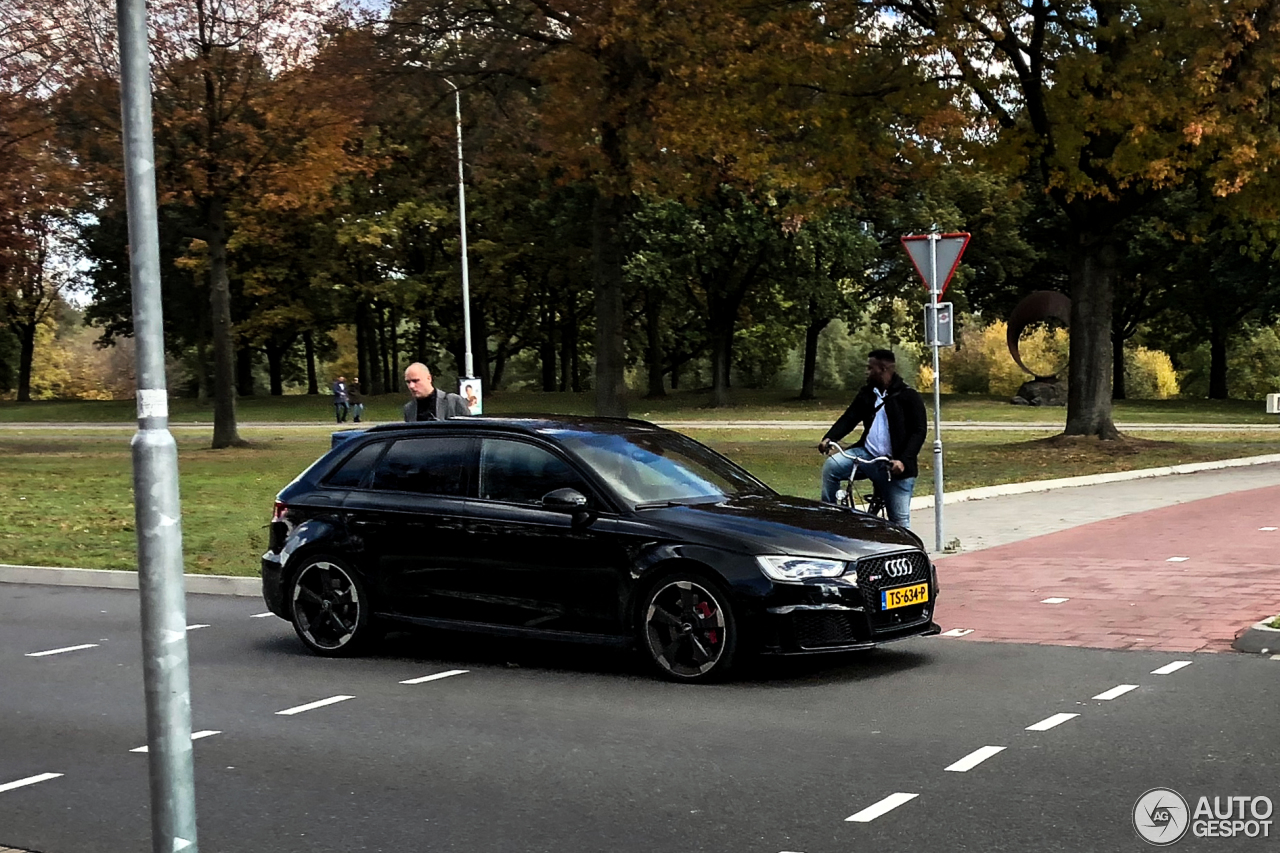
[462, 650]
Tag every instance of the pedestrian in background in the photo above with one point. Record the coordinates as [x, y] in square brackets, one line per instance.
[356, 399]
[340, 399]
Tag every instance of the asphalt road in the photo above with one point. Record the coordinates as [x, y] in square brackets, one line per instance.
[550, 748]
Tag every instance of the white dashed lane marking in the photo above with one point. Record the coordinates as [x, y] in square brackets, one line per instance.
[956, 632]
[60, 651]
[1177, 559]
[30, 780]
[975, 758]
[194, 736]
[310, 706]
[193, 627]
[262, 615]
[1049, 722]
[1054, 600]
[1115, 692]
[1170, 668]
[1266, 528]
[888, 804]
[435, 677]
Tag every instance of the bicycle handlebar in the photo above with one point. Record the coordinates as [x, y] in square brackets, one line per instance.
[857, 459]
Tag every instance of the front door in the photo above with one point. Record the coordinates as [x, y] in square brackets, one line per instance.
[545, 572]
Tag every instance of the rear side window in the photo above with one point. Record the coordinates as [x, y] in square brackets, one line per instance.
[436, 465]
[516, 472]
[351, 473]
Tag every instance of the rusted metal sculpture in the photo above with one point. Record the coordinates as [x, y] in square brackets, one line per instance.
[1035, 307]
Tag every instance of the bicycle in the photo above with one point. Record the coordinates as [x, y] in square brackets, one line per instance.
[849, 495]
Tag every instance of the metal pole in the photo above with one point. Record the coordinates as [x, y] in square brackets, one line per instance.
[934, 294]
[462, 220]
[155, 470]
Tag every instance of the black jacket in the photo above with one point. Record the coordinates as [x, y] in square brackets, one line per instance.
[907, 422]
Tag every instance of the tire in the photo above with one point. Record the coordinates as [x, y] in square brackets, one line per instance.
[329, 608]
[687, 628]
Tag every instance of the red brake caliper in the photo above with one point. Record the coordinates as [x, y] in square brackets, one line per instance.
[705, 609]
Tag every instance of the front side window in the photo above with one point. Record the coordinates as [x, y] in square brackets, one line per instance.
[435, 465]
[516, 472]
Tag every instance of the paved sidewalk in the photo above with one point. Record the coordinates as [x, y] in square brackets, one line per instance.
[1175, 563]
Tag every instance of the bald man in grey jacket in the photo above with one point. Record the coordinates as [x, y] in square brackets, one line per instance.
[428, 402]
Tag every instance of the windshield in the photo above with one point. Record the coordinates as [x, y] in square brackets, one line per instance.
[660, 467]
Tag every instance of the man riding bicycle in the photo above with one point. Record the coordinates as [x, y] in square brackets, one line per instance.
[894, 425]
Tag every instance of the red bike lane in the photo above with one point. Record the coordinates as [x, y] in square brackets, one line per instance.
[1182, 578]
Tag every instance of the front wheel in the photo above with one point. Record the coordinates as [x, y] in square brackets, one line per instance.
[329, 609]
[688, 629]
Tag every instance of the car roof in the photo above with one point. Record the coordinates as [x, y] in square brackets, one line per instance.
[535, 424]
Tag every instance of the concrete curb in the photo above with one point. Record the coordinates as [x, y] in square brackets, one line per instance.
[1090, 480]
[113, 579]
[252, 587]
[1258, 639]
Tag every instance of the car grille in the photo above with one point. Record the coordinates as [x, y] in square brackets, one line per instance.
[873, 577]
[814, 630]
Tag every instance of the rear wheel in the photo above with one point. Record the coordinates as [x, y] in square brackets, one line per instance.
[329, 609]
[688, 629]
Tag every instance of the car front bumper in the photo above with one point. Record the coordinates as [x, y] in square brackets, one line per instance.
[836, 615]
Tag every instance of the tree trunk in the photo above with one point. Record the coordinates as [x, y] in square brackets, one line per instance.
[225, 431]
[275, 368]
[394, 337]
[568, 348]
[675, 377]
[1117, 366]
[547, 346]
[1093, 264]
[26, 357]
[721, 354]
[419, 343]
[244, 371]
[811, 333]
[203, 390]
[379, 341]
[606, 250]
[313, 387]
[1217, 364]
[368, 376]
[653, 350]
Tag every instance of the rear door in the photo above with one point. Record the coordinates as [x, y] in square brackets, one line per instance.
[409, 521]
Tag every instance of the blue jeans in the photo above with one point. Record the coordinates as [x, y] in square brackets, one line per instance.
[896, 493]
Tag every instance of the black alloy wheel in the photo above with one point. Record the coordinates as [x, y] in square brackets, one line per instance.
[329, 608]
[688, 628]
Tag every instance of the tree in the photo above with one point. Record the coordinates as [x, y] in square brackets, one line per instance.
[240, 121]
[1085, 96]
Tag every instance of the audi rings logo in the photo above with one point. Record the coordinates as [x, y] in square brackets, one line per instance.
[1160, 816]
[898, 568]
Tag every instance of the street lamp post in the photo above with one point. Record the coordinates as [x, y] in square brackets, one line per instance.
[462, 226]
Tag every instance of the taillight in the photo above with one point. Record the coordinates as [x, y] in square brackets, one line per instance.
[277, 513]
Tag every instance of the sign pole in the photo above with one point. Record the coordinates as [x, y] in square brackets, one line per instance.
[935, 294]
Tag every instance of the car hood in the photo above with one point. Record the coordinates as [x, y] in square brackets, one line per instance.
[783, 525]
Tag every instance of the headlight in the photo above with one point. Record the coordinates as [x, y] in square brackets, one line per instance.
[799, 568]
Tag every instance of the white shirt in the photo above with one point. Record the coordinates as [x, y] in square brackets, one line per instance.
[878, 443]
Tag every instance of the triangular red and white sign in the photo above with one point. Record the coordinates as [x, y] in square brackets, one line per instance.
[950, 248]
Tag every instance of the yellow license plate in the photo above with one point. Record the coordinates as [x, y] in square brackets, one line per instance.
[904, 596]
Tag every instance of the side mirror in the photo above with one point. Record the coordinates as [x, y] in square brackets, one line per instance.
[569, 501]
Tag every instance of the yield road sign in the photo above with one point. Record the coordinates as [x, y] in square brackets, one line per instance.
[950, 248]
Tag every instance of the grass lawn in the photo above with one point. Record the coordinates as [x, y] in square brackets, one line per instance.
[683, 405]
[66, 499]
